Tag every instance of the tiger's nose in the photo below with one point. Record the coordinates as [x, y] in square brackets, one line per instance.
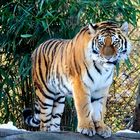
[108, 52]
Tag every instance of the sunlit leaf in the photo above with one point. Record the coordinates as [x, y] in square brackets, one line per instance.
[25, 35]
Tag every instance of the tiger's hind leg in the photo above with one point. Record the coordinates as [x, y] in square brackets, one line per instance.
[57, 112]
[46, 101]
[32, 120]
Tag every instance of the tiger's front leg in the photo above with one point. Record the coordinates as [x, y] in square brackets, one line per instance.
[83, 106]
[99, 109]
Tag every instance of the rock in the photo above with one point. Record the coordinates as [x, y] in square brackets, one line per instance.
[6, 134]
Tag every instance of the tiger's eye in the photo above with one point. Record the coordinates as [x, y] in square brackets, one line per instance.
[115, 43]
[100, 43]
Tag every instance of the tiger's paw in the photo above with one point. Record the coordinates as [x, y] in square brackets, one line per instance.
[104, 131]
[86, 131]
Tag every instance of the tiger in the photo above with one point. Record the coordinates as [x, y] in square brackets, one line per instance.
[83, 68]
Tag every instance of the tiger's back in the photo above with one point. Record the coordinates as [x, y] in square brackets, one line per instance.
[82, 67]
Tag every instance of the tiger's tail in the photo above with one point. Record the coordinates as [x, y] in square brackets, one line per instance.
[29, 118]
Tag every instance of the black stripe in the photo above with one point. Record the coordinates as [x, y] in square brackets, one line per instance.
[50, 52]
[49, 115]
[57, 115]
[98, 70]
[43, 104]
[63, 102]
[47, 43]
[34, 62]
[77, 67]
[59, 98]
[41, 76]
[93, 50]
[55, 125]
[63, 85]
[58, 77]
[125, 43]
[65, 88]
[86, 29]
[124, 51]
[114, 62]
[88, 114]
[55, 47]
[95, 99]
[59, 85]
[49, 90]
[123, 40]
[109, 23]
[42, 113]
[82, 131]
[45, 95]
[57, 93]
[37, 111]
[35, 83]
[36, 121]
[109, 76]
[105, 30]
[94, 27]
[46, 64]
[46, 121]
[29, 118]
[50, 57]
[82, 30]
[62, 55]
[49, 46]
[89, 74]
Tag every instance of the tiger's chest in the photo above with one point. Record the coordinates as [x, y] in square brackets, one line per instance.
[98, 78]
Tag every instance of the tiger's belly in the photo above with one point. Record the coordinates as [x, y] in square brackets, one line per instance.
[60, 85]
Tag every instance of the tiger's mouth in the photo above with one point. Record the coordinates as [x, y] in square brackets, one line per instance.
[116, 59]
[110, 60]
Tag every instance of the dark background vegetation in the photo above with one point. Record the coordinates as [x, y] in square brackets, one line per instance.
[24, 24]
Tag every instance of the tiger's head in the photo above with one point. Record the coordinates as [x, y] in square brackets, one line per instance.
[109, 42]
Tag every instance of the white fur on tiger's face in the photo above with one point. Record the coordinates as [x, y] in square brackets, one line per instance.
[82, 67]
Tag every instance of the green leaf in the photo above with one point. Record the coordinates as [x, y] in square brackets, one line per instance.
[128, 63]
[44, 24]
[69, 101]
[41, 5]
[26, 35]
[117, 68]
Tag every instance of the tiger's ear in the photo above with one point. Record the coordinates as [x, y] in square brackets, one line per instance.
[92, 28]
[124, 28]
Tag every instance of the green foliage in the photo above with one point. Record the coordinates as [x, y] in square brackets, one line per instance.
[128, 64]
[24, 24]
